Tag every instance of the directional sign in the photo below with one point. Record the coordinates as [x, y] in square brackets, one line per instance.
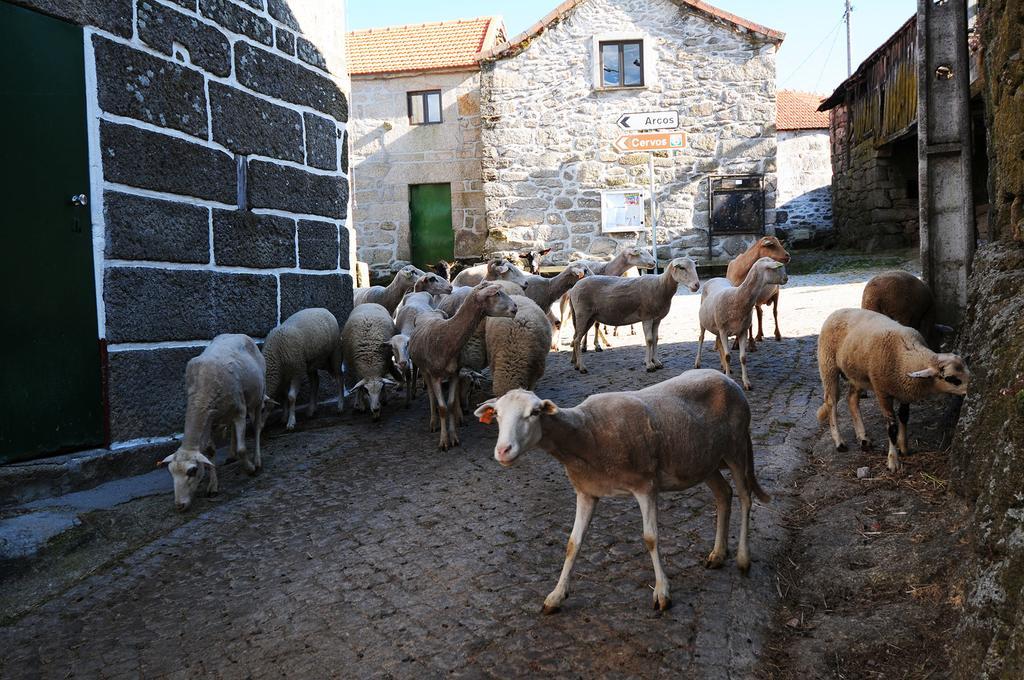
[651, 141]
[649, 120]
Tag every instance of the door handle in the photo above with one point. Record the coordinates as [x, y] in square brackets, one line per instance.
[79, 200]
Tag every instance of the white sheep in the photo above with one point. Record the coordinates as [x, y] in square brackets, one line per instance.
[725, 310]
[367, 349]
[405, 321]
[224, 384]
[545, 292]
[667, 437]
[875, 353]
[517, 348]
[498, 269]
[617, 301]
[308, 341]
[389, 297]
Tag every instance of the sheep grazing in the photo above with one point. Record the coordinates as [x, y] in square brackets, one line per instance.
[739, 267]
[725, 310]
[533, 259]
[617, 301]
[667, 437]
[225, 384]
[308, 341]
[517, 348]
[633, 256]
[494, 270]
[390, 296]
[903, 297]
[436, 344]
[367, 350]
[875, 353]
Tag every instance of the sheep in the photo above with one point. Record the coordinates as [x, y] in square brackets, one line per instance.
[903, 297]
[389, 297]
[874, 352]
[367, 350]
[725, 310]
[544, 292]
[405, 321]
[736, 272]
[517, 348]
[630, 273]
[436, 343]
[306, 342]
[633, 256]
[433, 286]
[667, 437]
[225, 384]
[498, 268]
[533, 259]
[617, 301]
[442, 268]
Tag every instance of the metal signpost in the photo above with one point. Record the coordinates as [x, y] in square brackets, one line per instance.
[645, 122]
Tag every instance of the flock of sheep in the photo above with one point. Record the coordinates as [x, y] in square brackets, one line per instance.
[426, 326]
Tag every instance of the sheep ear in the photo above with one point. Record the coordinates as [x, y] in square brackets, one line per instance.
[545, 251]
[267, 401]
[165, 461]
[203, 459]
[547, 407]
[359, 384]
[766, 242]
[388, 381]
[776, 265]
[929, 372]
[485, 412]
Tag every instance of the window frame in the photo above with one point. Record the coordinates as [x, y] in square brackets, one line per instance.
[423, 95]
[621, 44]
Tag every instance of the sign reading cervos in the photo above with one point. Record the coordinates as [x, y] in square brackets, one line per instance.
[649, 120]
[651, 141]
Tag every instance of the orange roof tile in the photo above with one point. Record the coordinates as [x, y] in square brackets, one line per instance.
[422, 47]
[516, 44]
[799, 111]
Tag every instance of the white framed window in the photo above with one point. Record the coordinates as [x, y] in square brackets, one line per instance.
[623, 210]
[424, 107]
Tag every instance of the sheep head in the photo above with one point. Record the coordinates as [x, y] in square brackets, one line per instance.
[503, 270]
[433, 284]
[188, 468]
[519, 413]
[769, 246]
[399, 347]
[374, 388]
[533, 259]
[684, 271]
[948, 373]
[494, 301]
[771, 271]
[639, 257]
[409, 275]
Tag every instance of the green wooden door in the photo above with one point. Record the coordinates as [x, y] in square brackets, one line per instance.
[430, 223]
[50, 386]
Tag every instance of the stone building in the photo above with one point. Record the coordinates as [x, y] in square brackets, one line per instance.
[804, 198]
[416, 140]
[181, 173]
[550, 101]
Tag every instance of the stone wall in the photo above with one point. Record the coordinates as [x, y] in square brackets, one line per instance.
[548, 133]
[804, 199]
[988, 453]
[389, 154]
[218, 172]
[874, 189]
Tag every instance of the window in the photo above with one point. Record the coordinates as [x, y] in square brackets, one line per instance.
[424, 107]
[622, 63]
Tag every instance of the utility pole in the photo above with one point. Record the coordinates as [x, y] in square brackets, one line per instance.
[849, 41]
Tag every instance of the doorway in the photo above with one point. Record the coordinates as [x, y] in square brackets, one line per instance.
[51, 397]
[430, 223]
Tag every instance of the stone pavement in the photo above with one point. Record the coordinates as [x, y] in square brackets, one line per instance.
[364, 551]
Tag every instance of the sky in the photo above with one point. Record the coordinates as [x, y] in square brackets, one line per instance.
[812, 58]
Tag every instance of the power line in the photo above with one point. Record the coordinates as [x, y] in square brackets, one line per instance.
[825, 64]
[811, 53]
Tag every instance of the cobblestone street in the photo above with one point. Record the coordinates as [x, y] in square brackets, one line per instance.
[362, 550]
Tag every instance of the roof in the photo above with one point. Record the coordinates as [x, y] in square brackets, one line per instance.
[799, 111]
[434, 46]
[839, 94]
[556, 15]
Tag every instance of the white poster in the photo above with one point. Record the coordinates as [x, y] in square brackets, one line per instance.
[623, 210]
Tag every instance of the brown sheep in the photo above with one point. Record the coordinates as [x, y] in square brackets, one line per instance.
[766, 246]
[904, 298]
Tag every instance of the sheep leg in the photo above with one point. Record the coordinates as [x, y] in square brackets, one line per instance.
[775, 315]
[314, 392]
[289, 412]
[901, 440]
[760, 323]
[597, 338]
[649, 510]
[336, 374]
[454, 410]
[853, 401]
[723, 505]
[584, 511]
[433, 404]
[238, 444]
[722, 343]
[743, 362]
[257, 427]
[830, 407]
[885, 403]
[700, 347]
[212, 486]
[739, 477]
[579, 333]
[442, 412]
